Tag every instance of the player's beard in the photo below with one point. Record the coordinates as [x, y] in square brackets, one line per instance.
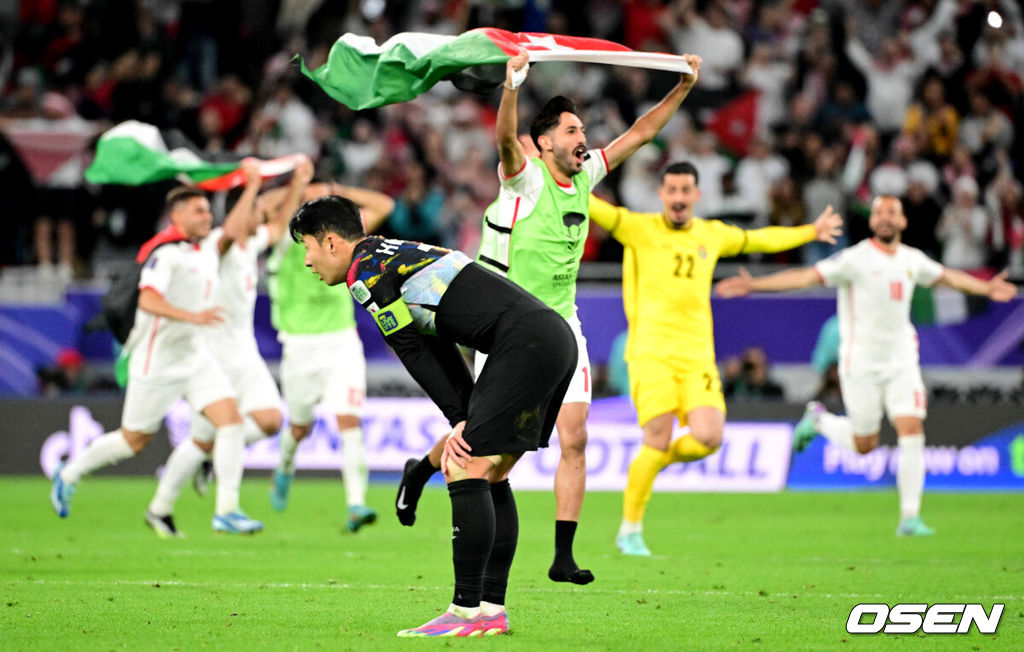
[566, 162]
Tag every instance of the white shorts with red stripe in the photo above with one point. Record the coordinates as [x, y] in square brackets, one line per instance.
[898, 389]
[581, 388]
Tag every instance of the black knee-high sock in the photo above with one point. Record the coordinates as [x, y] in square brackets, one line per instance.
[564, 568]
[472, 537]
[414, 477]
[506, 535]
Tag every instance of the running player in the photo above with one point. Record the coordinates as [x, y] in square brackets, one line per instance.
[170, 359]
[878, 358]
[322, 356]
[666, 287]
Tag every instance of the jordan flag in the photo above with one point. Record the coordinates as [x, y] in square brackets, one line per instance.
[361, 74]
[135, 153]
[735, 122]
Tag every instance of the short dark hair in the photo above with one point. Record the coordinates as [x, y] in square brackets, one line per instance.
[179, 195]
[683, 167]
[549, 115]
[323, 215]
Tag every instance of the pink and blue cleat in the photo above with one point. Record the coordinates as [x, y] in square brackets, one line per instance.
[496, 624]
[449, 624]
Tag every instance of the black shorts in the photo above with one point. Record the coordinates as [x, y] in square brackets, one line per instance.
[516, 399]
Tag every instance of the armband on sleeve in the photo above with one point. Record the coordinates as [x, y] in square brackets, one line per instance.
[393, 317]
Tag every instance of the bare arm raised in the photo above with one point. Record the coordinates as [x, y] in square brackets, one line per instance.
[509, 149]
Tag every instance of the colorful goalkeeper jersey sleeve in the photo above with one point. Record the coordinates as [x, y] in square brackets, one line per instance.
[667, 274]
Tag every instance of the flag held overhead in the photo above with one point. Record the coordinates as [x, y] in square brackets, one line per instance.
[361, 74]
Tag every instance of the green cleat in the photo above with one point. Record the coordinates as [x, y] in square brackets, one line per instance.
[913, 527]
[279, 490]
[358, 516]
[806, 429]
[632, 544]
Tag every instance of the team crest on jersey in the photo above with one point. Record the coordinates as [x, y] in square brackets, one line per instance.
[359, 292]
[574, 224]
[702, 252]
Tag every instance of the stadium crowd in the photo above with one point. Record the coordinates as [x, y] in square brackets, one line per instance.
[802, 103]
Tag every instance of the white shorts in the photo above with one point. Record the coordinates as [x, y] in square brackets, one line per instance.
[581, 386]
[147, 401]
[898, 389]
[253, 384]
[327, 367]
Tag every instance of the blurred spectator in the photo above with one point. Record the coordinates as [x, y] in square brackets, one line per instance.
[922, 210]
[786, 209]
[417, 214]
[710, 34]
[768, 72]
[746, 377]
[283, 125]
[891, 75]
[933, 122]
[1004, 200]
[756, 173]
[821, 191]
[65, 376]
[963, 228]
[984, 131]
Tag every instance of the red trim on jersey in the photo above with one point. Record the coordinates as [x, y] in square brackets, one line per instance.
[150, 287]
[170, 234]
[607, 168]
[501, 171]
[515, 213]
[586, 379]
[560, 184]
[350, 277]
[149, 347]
[879, 246]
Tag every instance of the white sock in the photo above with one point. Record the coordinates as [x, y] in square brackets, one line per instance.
[629, 527]
[837, 430]
[182, 464]
[490, 609]
[464, 612]
[354, 470]
[253, 432]
[228, 449]
[287, 444]
[910, 474]
[103, 451]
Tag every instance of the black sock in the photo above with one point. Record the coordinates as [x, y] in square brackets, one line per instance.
[506, 534]
[414, 477]
[564, 568]
[472, 537]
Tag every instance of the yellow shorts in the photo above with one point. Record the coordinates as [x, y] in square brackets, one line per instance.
[659, 386]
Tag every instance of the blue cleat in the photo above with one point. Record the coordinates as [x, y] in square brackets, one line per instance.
[236, 523]
[806, 429]
[61, 493]
[913, 527]
[279, 490]
[358, 516]
[632, 544]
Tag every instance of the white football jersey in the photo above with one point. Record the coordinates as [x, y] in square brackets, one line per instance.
[185, 274]
[875, 289]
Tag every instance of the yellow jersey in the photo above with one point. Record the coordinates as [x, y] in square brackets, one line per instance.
[667, 274]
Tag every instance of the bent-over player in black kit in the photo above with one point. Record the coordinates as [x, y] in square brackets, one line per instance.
[426, 301]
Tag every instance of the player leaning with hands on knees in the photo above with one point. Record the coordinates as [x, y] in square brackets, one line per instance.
[667, 266]
[534, 234]
[428, 300]
[878, 357]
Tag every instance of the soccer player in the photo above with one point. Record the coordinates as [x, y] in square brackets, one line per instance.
[322, 356]
[666, 286]
[534, 234]
[233, 344]
[878, 358]
[426, 301]
[170, 359]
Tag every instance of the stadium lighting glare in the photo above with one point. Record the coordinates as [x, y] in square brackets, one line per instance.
[995, 21]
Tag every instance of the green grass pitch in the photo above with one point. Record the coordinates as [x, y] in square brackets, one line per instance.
[745, 572]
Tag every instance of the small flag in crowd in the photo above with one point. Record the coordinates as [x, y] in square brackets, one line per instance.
[361, 74]
[135, 153]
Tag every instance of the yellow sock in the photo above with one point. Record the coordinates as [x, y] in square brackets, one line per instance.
[642, 471]
[688, 449]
